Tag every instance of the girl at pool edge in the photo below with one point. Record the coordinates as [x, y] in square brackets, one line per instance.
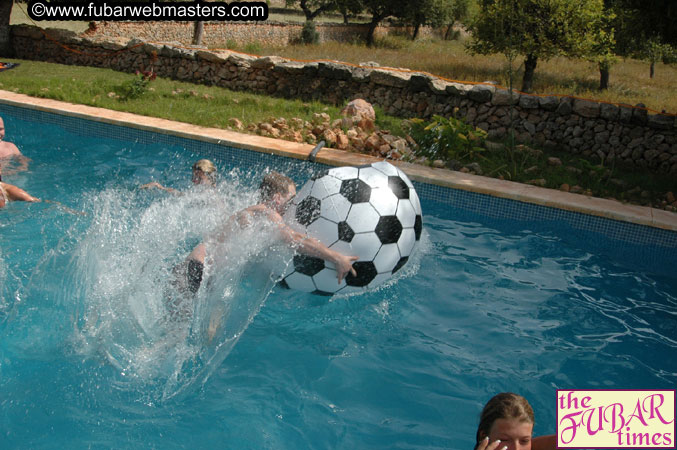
[507, 423]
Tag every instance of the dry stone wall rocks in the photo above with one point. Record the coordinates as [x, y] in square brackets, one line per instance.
[585, 127]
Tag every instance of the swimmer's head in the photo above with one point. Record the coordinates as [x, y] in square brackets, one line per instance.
[277, 190]
[204, 172]
[508, 417]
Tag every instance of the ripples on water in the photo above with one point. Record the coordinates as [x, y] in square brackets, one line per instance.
[479, 310]
[88, 355]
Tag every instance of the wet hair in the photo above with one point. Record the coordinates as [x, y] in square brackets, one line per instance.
[505, 405]
[207, 167]
[274, 183]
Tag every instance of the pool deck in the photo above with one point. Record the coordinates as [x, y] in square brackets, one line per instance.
[611, 209]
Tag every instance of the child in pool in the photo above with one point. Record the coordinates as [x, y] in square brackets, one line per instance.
[10, 153]
[204, 173]
[507, 423]
[9, 192]
[276, 192]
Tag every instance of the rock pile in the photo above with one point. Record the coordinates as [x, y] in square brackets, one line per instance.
[355, 131]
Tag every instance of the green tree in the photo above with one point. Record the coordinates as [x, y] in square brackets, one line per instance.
[434, 13]
[460, 11]
[536, 29]
[645, 29]
[313, 8]
[380, 9]
[638, 20]
[602, 44]
[349, 8]
[653, 51]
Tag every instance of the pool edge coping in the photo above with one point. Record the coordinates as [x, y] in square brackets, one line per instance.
[605, 208]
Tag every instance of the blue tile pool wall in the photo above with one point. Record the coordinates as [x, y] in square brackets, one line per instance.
[654, 243]
[500, 208]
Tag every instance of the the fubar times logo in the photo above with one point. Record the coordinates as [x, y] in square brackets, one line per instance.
[604, 418]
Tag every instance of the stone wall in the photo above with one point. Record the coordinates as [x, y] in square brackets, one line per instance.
[220, 33]
[613, 132]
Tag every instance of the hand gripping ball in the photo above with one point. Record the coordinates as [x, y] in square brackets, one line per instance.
[371, 211]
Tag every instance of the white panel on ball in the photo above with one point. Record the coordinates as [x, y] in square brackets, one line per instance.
[326, 281]
[384, 201]
[335, 208]
[345, 173]
[406, 214]
[380, 279]
[324, 230]
[407, 241]
[387, 258]
[374, 178]
[325, 186]
[365, 245]
[386, 168]
[300, 282]
[362, 218]
[415, 201]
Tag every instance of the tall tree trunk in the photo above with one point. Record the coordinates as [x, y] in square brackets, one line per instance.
[603, 76]
[448, 32]
[5, 12]
[306, 10]
[198, 32]
[529, 69]
[417, 27]
[370, 32]
[652, 68]
[346, 15]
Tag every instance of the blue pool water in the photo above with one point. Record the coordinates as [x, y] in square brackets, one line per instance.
[89, 360]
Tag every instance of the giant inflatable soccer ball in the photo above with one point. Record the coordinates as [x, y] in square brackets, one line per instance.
[372, 212]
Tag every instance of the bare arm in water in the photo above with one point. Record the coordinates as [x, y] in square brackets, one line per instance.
[305, 244]
[17, 194]
[155, 184]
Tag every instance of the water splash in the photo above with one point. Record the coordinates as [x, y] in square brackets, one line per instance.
[3, 285]
[106, 288]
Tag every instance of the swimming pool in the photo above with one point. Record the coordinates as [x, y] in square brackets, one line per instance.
[503, 296]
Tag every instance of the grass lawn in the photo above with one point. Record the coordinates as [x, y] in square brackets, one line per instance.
[213, 107]
[208, 106]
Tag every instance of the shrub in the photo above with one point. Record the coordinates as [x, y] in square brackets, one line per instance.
[137, 86]
[447, 139]
[392, 42]
[253, 47]
[308, 34]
